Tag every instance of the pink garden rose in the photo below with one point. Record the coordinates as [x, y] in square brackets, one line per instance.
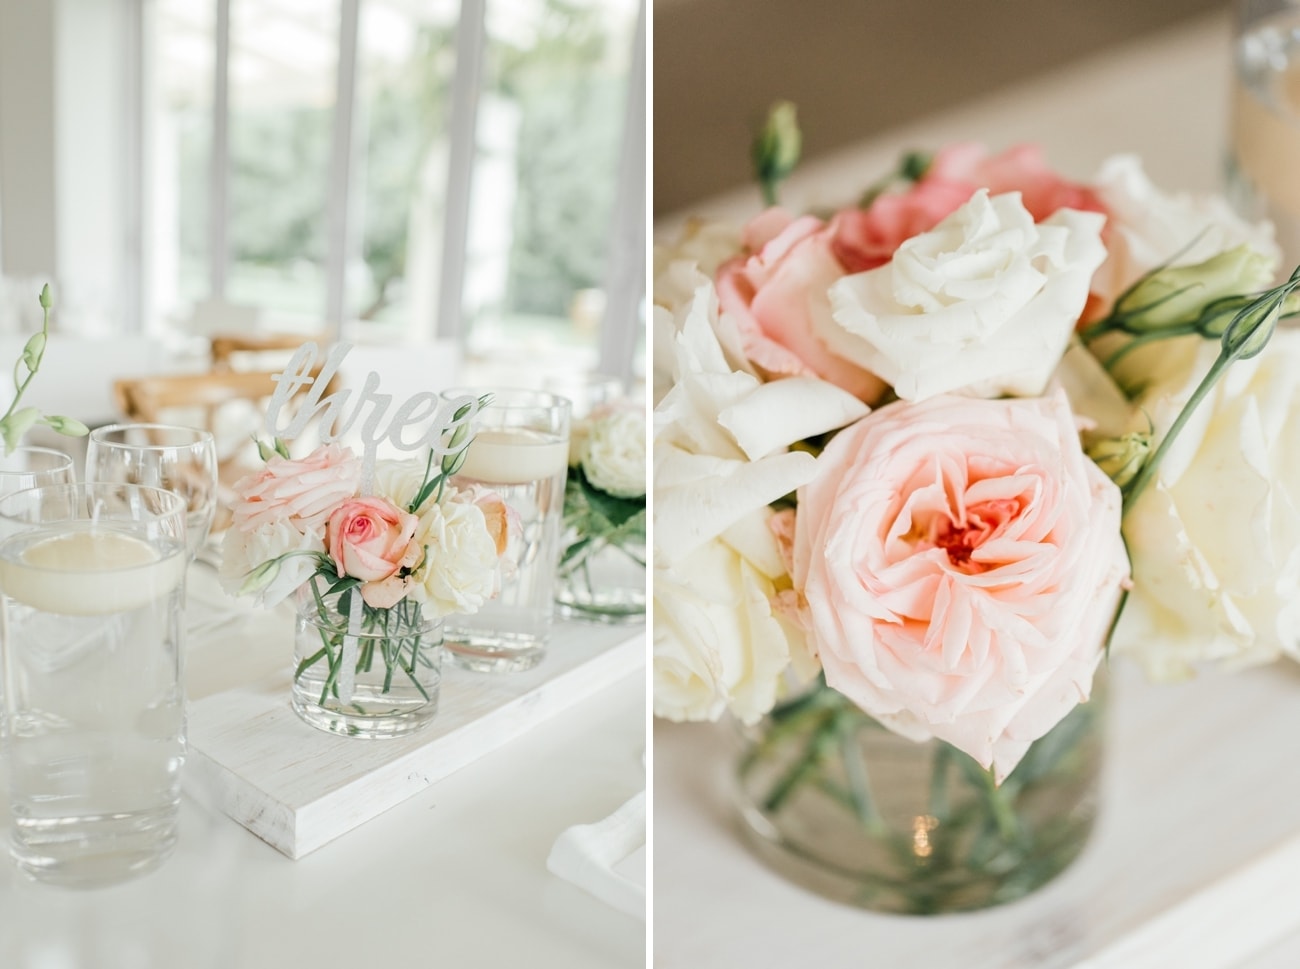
[302, 493]
[960, 563]
[777, 297]
[371, 539]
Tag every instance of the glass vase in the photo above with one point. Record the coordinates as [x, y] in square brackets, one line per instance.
[602, 580]
[394, 655]
[839, 804]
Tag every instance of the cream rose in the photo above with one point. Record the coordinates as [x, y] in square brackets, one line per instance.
[243, 550]
[460, 571]
[983, 304]
[1215, 537]
[721, 455]
[718, 643]
[1149, 228]
[961, 563]
[613, 453]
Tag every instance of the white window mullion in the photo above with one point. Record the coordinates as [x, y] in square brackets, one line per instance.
[462, 135]
[625, 272]
[219, 169]
[134, 159]
[339, 225]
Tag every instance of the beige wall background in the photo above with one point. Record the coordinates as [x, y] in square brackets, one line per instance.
[854, 67]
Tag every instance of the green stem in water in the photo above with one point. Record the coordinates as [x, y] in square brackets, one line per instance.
[804, 764]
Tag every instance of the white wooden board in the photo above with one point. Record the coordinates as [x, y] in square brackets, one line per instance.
[297, 787]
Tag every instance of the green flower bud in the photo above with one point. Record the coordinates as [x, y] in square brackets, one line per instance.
[1121, 457]
[1251, 329]
[778, 145]
[260, 577]
[45, 297]
[33, 350]
[67, 426]
[1177, 295]
[13, 427]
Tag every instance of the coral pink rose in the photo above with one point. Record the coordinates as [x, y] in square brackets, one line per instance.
[960, 563]
[1018, 169]
[302, 493]
[371, 539]
[778, 298]
[863, 239]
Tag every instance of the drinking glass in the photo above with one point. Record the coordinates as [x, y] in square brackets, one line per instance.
[1264, 153]
[93, 581]
[182, 460]
[32, 467]
[521, 452]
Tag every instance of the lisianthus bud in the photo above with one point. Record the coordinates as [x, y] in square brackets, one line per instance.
[778, 145]
[1121, 458]
[69, 426]
[1181, 294]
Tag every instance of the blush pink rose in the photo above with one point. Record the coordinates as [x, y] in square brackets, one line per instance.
[960, 563]
[302, 493]
[371, 539]
[778, 297]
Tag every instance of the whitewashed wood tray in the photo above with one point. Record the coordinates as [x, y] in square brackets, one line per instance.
[298, 788]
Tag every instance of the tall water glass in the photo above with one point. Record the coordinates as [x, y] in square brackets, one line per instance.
[182, 460]
[1264, 154]
[521, 452]
[31, 467]
[93, 581]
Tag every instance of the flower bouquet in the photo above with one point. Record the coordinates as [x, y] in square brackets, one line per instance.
[911, 460]
[601, 574]
[373, 572]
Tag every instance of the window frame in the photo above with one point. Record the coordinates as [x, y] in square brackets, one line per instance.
[622, 323]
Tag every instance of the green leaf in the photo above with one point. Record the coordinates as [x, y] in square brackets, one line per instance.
[616, 511]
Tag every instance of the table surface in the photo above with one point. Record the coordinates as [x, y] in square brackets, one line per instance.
[1194, 861]
[454, 876]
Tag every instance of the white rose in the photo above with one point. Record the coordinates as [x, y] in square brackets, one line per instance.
[460, 570]
[1215, 538]
[721, 454]
[722, 436]
[983, 304]
[243, 551]
[704, 246]
[718, 643]
[399, 481]
[613, 455]
[1149, 228]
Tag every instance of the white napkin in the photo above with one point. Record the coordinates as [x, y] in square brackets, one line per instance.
[602, 858]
